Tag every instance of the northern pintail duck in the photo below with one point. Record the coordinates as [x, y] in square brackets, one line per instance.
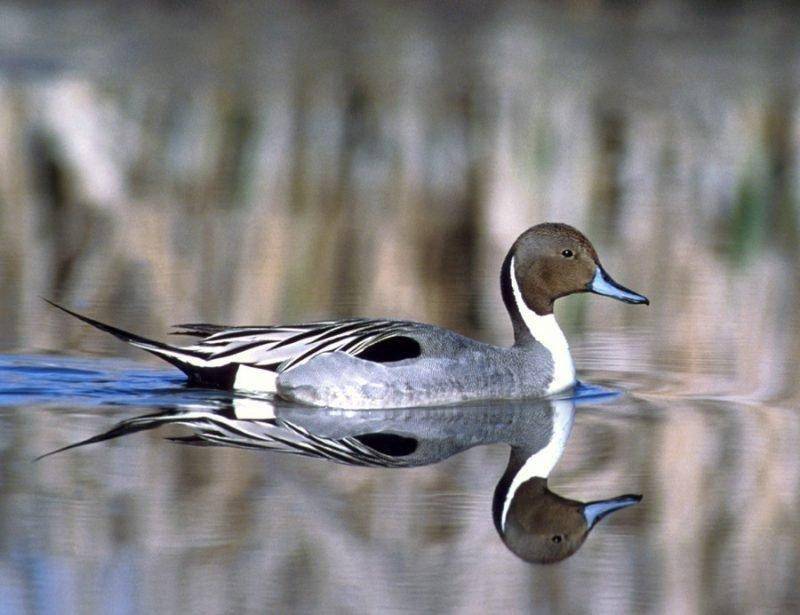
[378, 363]
[535, 523]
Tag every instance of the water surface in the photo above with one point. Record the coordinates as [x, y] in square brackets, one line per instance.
[143, 524]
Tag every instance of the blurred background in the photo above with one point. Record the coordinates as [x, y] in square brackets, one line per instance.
[167, 161]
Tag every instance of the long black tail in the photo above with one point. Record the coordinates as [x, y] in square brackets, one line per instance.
[187, 361]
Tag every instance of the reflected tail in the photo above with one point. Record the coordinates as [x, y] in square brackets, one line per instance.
[127, 427]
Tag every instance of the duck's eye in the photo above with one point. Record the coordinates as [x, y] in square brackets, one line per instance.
[556, 539]
[566, 253]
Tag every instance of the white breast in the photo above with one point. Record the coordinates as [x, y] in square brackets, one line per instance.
[542, 463]
[546, 331]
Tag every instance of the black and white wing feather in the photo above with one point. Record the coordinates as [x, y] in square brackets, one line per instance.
[281, 348]
[218, 429]
[217, 359]
[286, 437]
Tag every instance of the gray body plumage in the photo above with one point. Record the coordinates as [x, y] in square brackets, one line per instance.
[451, 368]
[439, 432]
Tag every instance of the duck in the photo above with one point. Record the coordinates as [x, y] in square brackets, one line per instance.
[368, 363]
[535, 524]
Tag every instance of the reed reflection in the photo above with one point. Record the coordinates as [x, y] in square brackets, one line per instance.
[535, 523]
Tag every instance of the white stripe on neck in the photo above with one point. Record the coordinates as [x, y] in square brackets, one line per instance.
[546, 331]
[541, 463]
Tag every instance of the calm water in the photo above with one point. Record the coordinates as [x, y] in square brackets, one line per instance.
[142, 524]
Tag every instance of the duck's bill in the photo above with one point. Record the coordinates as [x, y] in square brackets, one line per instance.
[603, 284]
[594, 511]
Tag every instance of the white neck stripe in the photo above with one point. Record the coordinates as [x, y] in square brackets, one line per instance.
[540, 464]
[546, 331]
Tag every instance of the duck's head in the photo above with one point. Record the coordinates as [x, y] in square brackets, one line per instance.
[543, 527]
[554, 260]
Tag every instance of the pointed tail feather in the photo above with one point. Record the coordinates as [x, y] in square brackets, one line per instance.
[123, 428]
[185, 360]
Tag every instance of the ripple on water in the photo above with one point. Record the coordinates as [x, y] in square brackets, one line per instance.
[28, 379]
[717, 476]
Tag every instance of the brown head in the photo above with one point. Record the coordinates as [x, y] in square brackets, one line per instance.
[552, 260]
[543, 527]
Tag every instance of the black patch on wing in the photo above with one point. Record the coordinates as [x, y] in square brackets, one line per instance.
[390, 444]
[392, 349]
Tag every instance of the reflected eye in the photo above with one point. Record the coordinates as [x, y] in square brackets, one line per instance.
[566, 253]
[556, 539]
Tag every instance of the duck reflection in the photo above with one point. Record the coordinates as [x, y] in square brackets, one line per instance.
[535, 523]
